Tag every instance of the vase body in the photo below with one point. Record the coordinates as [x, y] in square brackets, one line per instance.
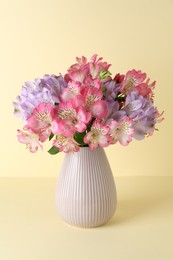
[85, 192]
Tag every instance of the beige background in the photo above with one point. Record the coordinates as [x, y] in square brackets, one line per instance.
[38, 37]
[45, 36]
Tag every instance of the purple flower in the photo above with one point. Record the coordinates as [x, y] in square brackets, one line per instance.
[54, 85]
[43, 90]
[114, 112]
[111, 90]
[143, 113]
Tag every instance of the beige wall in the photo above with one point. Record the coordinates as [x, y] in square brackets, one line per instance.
[38, 37]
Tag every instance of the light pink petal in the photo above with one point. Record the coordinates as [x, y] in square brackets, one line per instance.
[94, 70]
[66, 95]
[94, 58]
[99, 109]
[34, 124]
[93, 146]
[92, 94]
[45, 108]
[83, 115]
[67, 128]
[104, 140]
[79, 101]
[66, 144]
[143, 89]
[30, 139]
[125, 131]
[80, 127]
[55, 127]
[23, 138]
[44, 134]
[79, 75]
[125, 139]
[88, 137]
[81, 61]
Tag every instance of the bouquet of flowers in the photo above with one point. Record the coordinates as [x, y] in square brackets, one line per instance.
[86, 107]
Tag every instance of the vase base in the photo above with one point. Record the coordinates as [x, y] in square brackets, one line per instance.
[76, 226]
[96, 220]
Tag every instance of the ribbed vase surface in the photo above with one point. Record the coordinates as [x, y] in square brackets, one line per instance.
[86, 193]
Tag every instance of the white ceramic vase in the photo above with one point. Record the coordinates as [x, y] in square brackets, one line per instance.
[86, 193]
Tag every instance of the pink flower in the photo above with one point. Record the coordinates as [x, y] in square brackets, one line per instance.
[80, 71]
[30, 139]
[132, 80]
[99, 69]
[63, 127]
[99, 135]
[94, 69]
[98, 62]
[70, 119]
[143, 89]
[94, 104]
[99, 109]
[78, 75]
[121, 131]
[71, 91]
[41, 120]
[81, 61]
[66, 144]
[90, 82]
[92, 95]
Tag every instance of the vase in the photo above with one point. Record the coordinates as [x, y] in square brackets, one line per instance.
[86, 192]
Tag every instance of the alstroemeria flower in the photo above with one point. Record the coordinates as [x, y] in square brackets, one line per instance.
[143, 113]
[70, 119]
[121, 131]
[132, 80]
[135, 81]
[66, 144]
[111, 90]
[93, 103]
[133, 105]
[43, 90]
[41, 120]
[73, 89]
[80, 71]
[90, 82]
[102, 65]
[94, 69]
[99, 135]
[30, 139]
[81, 63]
[114, 112]
[78, 75]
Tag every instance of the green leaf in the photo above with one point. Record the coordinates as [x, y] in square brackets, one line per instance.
[104, 74]
[51, 136]
[79, 138]
[53, 150]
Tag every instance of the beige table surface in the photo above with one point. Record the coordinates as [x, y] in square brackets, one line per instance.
[142, 227]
